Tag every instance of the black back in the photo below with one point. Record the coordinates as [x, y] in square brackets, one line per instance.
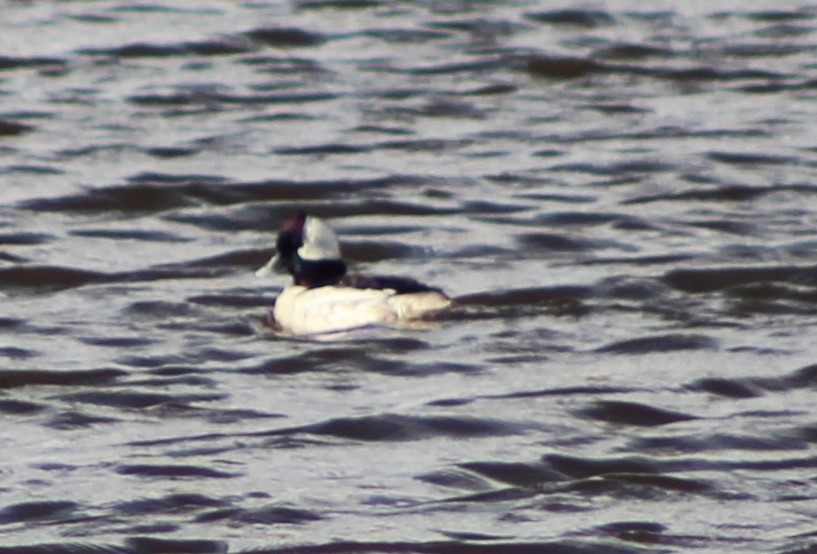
[402, 285]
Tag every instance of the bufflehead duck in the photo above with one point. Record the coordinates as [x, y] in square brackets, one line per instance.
[324, 298]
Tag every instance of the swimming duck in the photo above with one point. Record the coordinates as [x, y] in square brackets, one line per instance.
[324, 298]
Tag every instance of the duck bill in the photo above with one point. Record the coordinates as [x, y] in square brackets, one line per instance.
[276, 264]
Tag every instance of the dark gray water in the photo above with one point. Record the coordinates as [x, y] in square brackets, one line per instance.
[621, 196]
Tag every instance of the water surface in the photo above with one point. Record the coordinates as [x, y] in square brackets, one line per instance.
[620, 197]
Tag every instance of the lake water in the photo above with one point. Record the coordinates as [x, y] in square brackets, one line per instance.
[620, 196]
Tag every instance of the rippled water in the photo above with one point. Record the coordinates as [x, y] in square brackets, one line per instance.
[621, 197]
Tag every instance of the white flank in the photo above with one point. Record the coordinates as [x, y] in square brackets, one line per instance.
[418, 304]
[303, 311]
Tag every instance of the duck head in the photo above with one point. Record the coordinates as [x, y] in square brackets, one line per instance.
[308, 249]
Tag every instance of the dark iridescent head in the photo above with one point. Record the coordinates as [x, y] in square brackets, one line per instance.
[308, 250]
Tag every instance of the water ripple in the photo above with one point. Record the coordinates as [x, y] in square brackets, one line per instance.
[617, 198]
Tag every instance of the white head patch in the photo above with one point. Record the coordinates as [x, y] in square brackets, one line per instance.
[320, 241]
